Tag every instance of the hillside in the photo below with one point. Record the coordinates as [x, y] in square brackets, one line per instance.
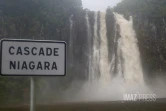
[149, 23]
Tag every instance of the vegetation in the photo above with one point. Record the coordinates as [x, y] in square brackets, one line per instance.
[149, 23]
[39, 19]
[32, 19]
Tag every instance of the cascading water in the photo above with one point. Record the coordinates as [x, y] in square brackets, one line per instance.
[104, 65]
[118, 55]
[128, 57]
[127, 44]
[96, 51]
[89, 45]
[98, 54]
[110, 78]
[126, 60]
[127, 51]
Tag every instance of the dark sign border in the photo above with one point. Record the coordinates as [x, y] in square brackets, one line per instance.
[36, 41]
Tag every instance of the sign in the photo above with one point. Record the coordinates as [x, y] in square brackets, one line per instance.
[33, 58]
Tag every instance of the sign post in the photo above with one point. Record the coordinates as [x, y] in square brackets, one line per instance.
[32, 94]
[32, 58]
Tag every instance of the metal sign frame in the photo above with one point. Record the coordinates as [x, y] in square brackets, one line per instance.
[35, 41]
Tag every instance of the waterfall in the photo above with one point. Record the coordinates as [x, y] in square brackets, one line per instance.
[98, 54]
[96, 51]
[90, 53]
[119, 74]
[127, 45]
[119, 61]
[126, 56]
[71, 40]
[104, 65]
[107, 77]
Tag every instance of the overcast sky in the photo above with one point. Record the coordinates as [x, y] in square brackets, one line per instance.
[96, 5]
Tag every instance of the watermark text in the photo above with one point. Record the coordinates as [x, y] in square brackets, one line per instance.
[139, 97]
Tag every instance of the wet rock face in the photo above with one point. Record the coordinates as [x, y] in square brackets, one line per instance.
[151, 40]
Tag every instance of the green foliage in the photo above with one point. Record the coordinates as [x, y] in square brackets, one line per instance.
[39, 19]
[32, 19]
[11, 88]
[152, 9]
[149, 23]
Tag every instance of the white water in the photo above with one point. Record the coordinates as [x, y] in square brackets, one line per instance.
[90, 71]
[130, 69]
[104, 65]
[130, 52]
[96, 51]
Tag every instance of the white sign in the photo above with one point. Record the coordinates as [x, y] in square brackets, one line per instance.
[33, 58]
